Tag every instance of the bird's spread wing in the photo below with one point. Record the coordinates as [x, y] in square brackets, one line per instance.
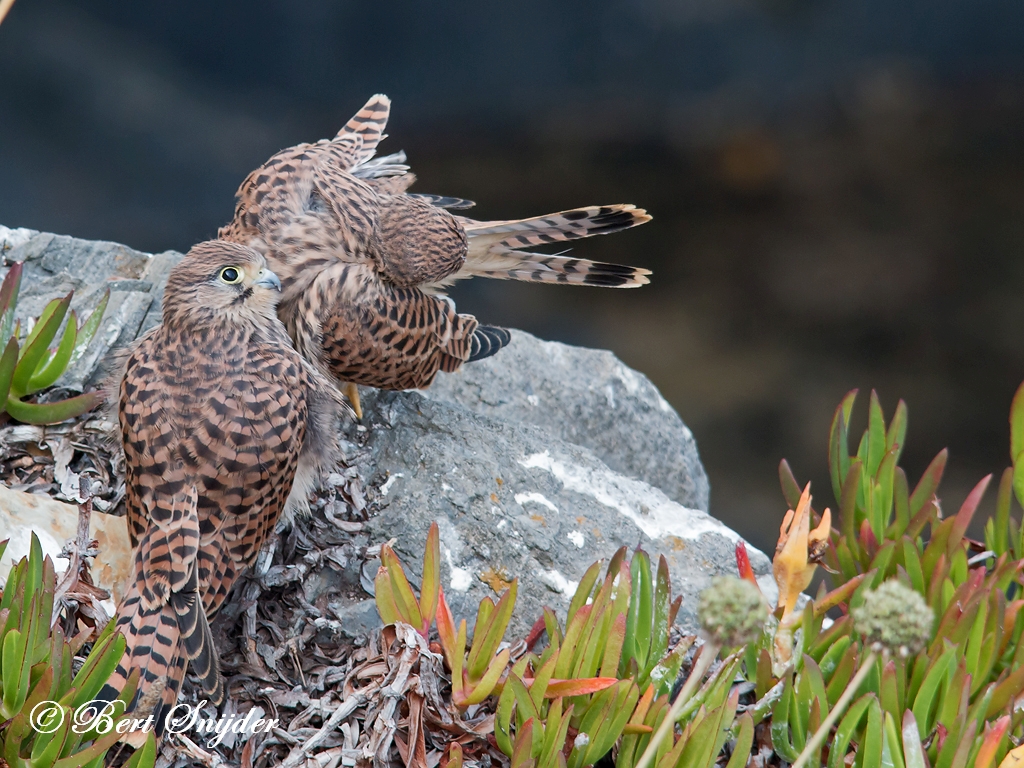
[353, 209]
[306, 212]
[331, 217]
[368, 126]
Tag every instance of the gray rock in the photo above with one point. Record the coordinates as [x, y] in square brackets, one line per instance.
[355, 619]
[514, 501]
[535, 462]
[588, 397]
[56, 264]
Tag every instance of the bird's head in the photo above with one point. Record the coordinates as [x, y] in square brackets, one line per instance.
[221, 280]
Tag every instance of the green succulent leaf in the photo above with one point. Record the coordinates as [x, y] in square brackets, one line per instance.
[790, 487]
[1016, 426]
[998, 535]
[583, 591]
[52, 413]
[89, 328]
[897, 433]
[876, 434]
[929, 482]
[615, 640]
[889, 694]
[145, 757]
[662, 609]
[17, 733]
[15, 670]
[492, 621]
[838, 444]
[744, 741]
[431, 578]
[926, 698]
[405, 598]
[106, 652]
[47, 747]
[37, 343]
[503, 716]
[641, 611]
[484, 687]
[892, 750]
[604, 719]
[8, 361]
[9, 301]
[48, 372]
[781, 724]
[384, 597]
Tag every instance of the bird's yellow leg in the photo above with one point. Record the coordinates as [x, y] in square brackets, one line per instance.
[351, 391]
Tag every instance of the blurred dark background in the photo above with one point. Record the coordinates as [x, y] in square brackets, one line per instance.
[837, 185]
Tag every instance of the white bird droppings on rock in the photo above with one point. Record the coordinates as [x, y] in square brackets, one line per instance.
[651, 510]
[461, 577]
[386, 485]
[576, 537]
[537, 498]
[556, 582]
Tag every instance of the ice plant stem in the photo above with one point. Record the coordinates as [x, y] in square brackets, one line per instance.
[823, 730]
[707, 655]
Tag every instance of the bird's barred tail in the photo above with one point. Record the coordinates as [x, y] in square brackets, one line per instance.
[494, 247]
[161, 643]
[486, 341]
[162, 617]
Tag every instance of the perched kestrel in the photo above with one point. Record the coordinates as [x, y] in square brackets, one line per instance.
[224, 425]
[363, 263]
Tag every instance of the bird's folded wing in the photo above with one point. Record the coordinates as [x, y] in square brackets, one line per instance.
[380, 335]
[165, 558]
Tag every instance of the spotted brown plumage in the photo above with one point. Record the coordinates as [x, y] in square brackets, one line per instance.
[364, 263]
[223, 425]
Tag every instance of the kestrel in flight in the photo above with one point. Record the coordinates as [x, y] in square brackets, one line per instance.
[364, 263]
[224, 426]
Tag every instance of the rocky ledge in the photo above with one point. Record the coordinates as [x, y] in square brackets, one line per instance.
[535, 462]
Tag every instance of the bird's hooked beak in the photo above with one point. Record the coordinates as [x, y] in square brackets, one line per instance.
[267, 279]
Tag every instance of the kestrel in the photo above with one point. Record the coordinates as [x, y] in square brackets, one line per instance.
[224, 426]
[363, 263]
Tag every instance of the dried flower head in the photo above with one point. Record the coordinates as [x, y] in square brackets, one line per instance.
[798, 551]
[894, 617]
[731, 611]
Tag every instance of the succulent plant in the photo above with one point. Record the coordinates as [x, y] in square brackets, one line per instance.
[602, 680]
[41, 692]
[30, 366]
[920, 663]
[951, 703]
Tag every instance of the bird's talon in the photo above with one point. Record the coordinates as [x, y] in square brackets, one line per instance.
[351, 391]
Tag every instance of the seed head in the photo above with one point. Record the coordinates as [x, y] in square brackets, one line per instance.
[894, 618]
[731, 611]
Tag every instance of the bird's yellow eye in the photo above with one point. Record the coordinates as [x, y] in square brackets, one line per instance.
[231, 275]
